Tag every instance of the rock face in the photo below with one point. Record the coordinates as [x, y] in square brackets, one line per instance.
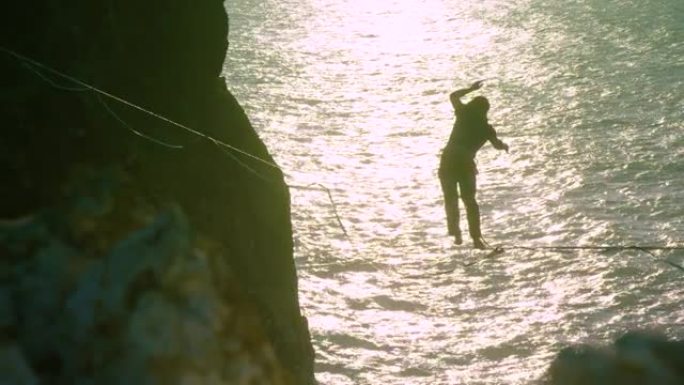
[165, 56]
[638, 358]
[103, 291]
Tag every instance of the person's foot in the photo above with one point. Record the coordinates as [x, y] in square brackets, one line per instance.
[478, 244]
[457, 238]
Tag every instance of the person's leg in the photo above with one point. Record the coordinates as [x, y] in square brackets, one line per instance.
[468, 186]
[450, 191]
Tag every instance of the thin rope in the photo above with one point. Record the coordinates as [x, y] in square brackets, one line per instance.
[492, 252]
[51, 82]
[330, 197]
[497, 250]
[648, 249]
[133, 130]
[132, 105]
[246, 167]
[644, 248]
[591, 247]
[31, 65]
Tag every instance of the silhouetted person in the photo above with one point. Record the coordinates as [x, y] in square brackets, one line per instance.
[457, 168]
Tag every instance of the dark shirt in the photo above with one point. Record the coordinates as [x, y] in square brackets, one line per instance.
[470, 133]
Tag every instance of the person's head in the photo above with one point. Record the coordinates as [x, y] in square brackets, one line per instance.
[479, 105]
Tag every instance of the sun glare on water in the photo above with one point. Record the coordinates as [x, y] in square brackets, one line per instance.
[415, 27]
[354, 96]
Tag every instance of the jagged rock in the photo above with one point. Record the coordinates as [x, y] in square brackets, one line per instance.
[13, 367]
[638, 358]
[94, 303]
[165, 56]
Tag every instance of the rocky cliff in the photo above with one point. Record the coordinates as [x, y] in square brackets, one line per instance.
[164, 202]
[635, 358]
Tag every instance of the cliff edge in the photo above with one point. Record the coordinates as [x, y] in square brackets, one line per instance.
[65, 146]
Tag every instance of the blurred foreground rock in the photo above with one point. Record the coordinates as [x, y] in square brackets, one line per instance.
[637, 358]
[175, 188]
[104, 290]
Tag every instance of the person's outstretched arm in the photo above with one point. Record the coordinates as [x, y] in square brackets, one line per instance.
[456, 96]
[495, 141]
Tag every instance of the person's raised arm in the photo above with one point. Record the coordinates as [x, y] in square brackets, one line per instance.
[456, 96]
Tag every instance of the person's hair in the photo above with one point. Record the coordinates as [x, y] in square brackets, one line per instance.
[479, 105]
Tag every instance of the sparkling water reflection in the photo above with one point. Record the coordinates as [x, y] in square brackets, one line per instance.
[353, 95]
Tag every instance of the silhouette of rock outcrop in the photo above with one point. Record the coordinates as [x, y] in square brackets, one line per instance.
[638, 358]
[165, 56]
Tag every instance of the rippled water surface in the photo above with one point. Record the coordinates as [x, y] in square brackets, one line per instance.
[353, 95]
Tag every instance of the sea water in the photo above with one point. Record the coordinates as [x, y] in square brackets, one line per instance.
[351, 98]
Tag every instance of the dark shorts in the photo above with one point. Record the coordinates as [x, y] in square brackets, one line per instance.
[456, 165]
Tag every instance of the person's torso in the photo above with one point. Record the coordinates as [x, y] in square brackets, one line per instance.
[469, 135]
